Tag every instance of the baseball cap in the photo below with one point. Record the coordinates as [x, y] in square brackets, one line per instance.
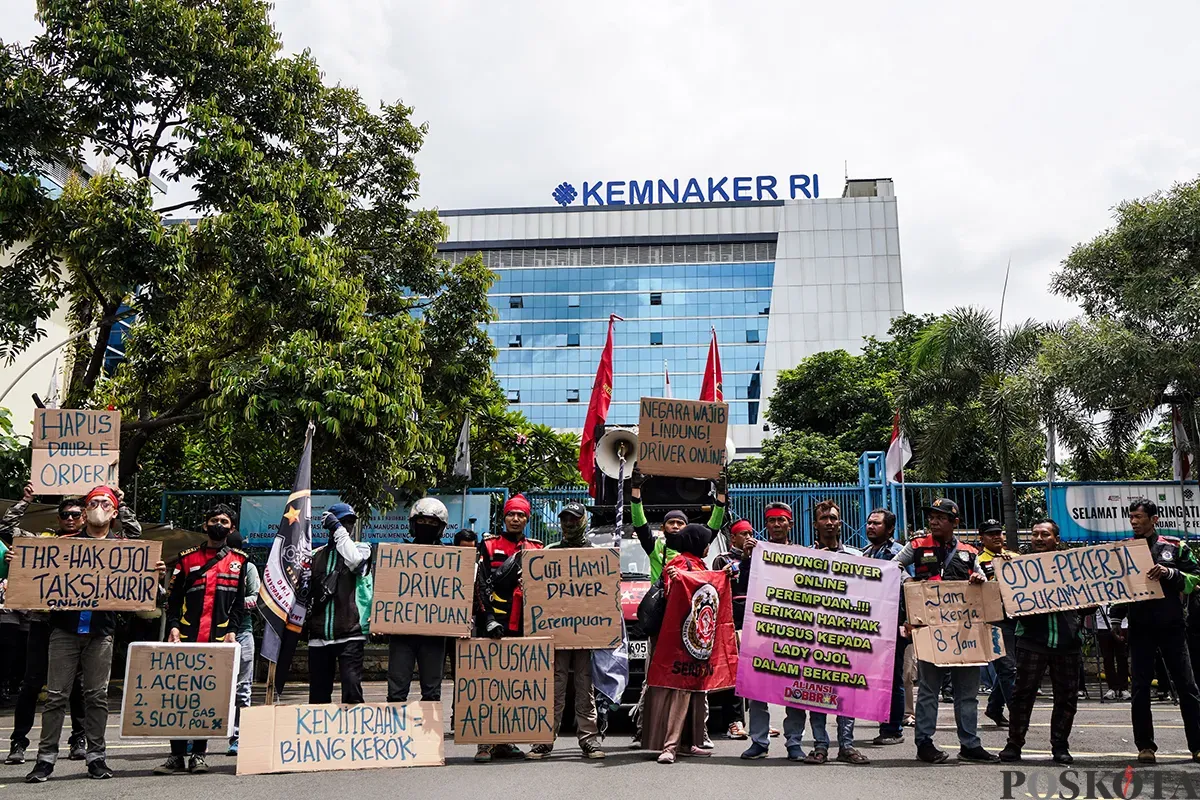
[943, 505]
[991, 526]
[574, 509]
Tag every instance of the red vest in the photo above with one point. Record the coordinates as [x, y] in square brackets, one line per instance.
[929, 560]
[506, 605]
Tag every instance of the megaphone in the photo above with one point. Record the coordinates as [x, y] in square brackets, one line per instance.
[613, 445]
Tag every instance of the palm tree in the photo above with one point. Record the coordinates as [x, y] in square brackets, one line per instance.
[967, 362]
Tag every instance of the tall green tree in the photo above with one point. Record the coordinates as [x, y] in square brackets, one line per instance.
[1136, 348]
[307, 287]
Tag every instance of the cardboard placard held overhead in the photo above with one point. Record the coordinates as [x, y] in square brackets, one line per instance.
[1080, 577]
[950, 621]
[74, 451]
[179, 691]
[423, 589]
[83, 574]
[682, 438]
[320, 738]
[504, 691]
[574, 595]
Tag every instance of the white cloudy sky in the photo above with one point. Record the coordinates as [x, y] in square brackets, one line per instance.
[1010, 132]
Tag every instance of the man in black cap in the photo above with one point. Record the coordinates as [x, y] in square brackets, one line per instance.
[573, 522]
[938, 555]
[991, 536]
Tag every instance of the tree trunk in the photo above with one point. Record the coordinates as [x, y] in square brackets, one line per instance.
[1008, 500]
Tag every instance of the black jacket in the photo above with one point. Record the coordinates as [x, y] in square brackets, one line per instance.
[1167, 611]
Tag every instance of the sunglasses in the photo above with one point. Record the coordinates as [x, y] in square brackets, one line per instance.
[70, 514]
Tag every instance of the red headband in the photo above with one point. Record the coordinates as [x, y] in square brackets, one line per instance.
[103, 490]
[779, 512]
[742, 525]
[518, 503]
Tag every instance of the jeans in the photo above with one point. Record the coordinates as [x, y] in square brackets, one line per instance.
[1006, 671]
[793, 725]
[37, 657]
[965, 685]
[323, 660]
[427, 654]
[72, 655]
[893, 726]
[845, 731]
[1171, 641]
[245, 679]
[579, 662]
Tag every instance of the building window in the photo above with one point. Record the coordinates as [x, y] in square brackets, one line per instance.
[572, 395]
[766, 311]
[516, 302]
[514, 395]
[572, 301]
[656, 298]
[656, 337]
[751, 336]
[514, 340]
[572, 340]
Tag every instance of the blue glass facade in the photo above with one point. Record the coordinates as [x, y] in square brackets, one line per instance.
[552, 322]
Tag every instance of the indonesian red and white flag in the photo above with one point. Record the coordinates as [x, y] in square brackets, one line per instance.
[666, 382]
[1181, 456]
[899, 452]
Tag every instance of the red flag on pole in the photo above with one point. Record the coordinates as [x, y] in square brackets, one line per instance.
[712, 390]
[899, 452]
[597, 412]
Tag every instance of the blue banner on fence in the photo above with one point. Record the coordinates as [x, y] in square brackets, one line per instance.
[260, 515]
[1100, 512]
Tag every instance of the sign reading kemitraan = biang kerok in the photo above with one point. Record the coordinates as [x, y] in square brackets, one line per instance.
[179, 691]
[574, 595]
[74, 451]
[424, 590]
[682, 438]
[504, 691]
[820, 631]
[319, 738]
[84, 574]
[1080, 577]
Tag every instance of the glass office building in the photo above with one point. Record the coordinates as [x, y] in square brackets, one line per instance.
[777, 279]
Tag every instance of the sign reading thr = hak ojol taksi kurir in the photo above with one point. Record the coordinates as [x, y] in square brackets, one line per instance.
[84, 574]
[574, 595]
[74, 451]
[179, 691]
[425, 590]
[1079, 577]
[682, 438]
[320, 738]
[820, 631]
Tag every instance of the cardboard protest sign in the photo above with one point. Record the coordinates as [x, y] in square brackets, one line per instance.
[682, 438]
[74, 451]
[179, 691]
[574, 595]
[504, 691]
[81, 573]
[950, 621]
[320, 738]
[820, 631]
[696, 649]
[423, 589]
[1080, 577]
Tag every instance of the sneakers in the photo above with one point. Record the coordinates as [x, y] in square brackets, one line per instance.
[78, 750]
[666, 757]
[928, 752]
[1146, 756]
[1124, 695]
[233, 746]
[483, 754]
[977, 754]
[695, 751]
[794, 753]
[849, 755]
[737, 731]
[910, 721]
[98, 770]
[883, 739]
[1110, 695]
[509, 751]
[40, 773]
[1063, 757]
[998, 719]
[197, 766]
[754, 752]
[539, 751]
[16, 754]
[589, 750]
[1010, 753]
[174, 765]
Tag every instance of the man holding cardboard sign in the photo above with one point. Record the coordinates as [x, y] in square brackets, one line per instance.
[938, 556]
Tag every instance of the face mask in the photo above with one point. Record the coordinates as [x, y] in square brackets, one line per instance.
[217, 533]
[98, 516]
[423, 533]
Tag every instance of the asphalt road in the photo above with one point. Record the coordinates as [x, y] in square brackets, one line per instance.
[1101, 741]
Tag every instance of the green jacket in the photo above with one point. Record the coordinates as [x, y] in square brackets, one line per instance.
[656, 546]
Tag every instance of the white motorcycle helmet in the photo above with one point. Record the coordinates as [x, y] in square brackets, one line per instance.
[430, 507]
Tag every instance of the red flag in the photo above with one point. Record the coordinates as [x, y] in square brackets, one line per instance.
[713, 388]
[696, 649]
[597, 412]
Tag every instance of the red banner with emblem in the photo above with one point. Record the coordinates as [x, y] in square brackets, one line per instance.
[696, 649]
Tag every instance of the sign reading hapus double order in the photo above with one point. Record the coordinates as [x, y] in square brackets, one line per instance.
[74, 451]
[682, 438]
[423, 589]
[504, 691]
[950, 621]
[84, 574]
[573, 595]
[1079, 577]
[179, 691]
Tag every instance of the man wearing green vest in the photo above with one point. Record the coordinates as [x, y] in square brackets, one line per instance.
[673, 522]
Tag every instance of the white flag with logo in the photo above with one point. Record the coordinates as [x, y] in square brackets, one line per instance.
[899, 452]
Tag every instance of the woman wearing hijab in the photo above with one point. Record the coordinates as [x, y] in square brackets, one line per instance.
[675, 718]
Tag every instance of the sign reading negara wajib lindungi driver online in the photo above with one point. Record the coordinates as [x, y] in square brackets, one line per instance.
[820, 631]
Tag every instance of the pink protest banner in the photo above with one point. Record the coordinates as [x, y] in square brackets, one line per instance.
[820, 631]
